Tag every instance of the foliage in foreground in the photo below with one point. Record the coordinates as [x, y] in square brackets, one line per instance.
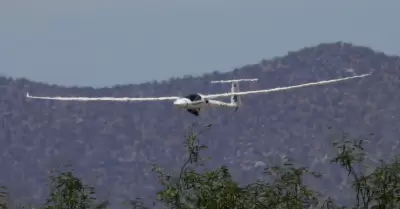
[203, 189]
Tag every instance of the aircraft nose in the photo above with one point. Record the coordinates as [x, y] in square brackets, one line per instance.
[180, 103]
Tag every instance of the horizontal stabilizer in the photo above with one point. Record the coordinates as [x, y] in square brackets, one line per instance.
[237, 80]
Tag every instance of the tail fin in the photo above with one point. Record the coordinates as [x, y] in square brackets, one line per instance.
[235, 99]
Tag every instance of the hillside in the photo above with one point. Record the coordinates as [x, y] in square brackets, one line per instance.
[112, 145]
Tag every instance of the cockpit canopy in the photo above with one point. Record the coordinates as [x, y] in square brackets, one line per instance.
[193, 97]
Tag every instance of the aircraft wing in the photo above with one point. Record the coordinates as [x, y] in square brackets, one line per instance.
[116, 99]
[211, 96]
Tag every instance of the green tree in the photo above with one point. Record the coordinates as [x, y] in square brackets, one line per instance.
[378, 189]
[3, 197]
[216, 189]
[195, 189]
[69, 192]
[285, 189]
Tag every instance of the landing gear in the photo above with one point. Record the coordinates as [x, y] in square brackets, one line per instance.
[195, 112]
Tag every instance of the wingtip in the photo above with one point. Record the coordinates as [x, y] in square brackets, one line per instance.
[28, 95]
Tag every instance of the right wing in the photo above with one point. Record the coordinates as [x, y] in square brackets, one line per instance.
[117, 99]
[213, 96]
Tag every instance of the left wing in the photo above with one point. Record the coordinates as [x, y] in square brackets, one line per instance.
[117, 99]
[211, 96]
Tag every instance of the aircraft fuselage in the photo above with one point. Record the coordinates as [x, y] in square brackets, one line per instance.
[194, 102]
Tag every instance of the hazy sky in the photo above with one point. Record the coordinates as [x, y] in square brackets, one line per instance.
[101, 43]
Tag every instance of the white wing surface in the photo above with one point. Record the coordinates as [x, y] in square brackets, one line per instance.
[211, 96]
[116, 99]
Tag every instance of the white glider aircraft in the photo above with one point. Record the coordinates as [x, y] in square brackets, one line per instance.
[193, 103]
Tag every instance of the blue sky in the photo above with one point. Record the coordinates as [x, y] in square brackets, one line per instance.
[102, 43]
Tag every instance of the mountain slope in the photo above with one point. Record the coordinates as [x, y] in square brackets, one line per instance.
[112, 145]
